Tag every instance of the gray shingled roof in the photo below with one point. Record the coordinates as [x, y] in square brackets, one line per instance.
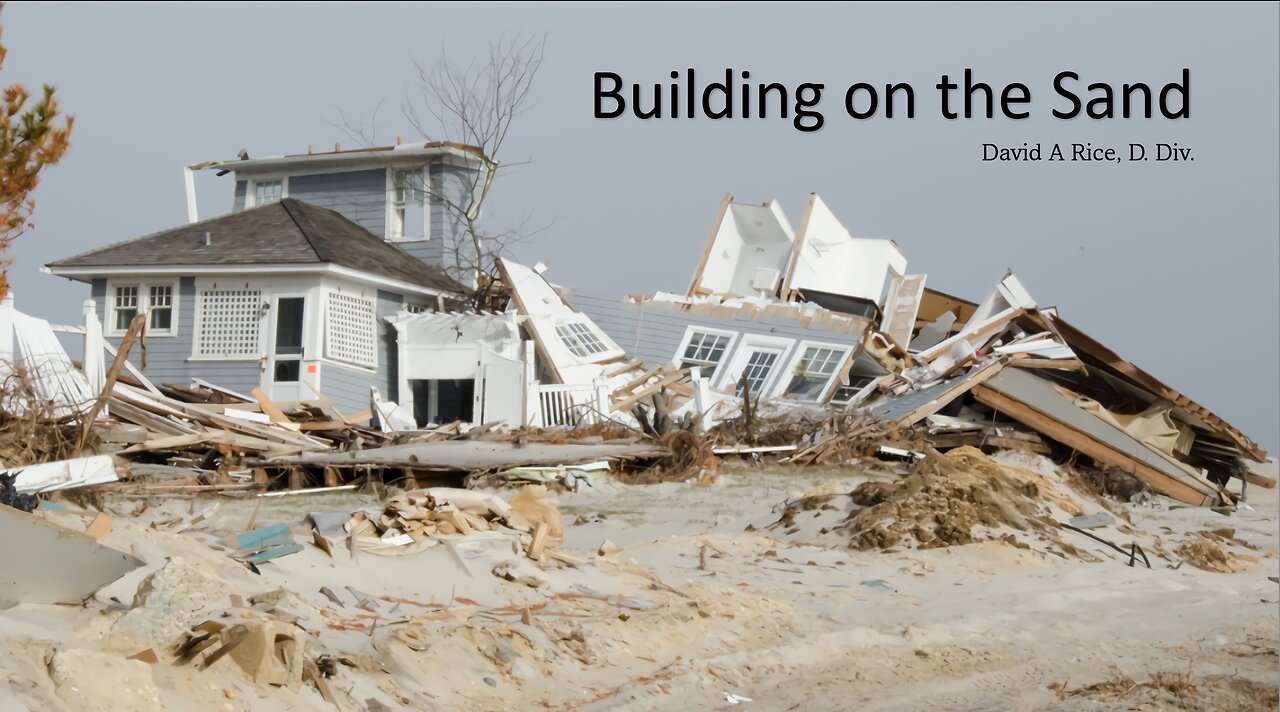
[285, 232]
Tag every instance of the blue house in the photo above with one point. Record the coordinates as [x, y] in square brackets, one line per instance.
[291, 290]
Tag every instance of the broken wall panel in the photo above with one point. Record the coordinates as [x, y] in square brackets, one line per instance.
[746, 253]
[826, 258]
[661, 332]
[47, 563]
[571, 346]
[1036, 403]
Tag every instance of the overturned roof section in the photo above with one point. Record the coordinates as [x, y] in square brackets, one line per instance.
[826, 258]
[746, 253]
[288, 232]
[403, 152]
[1095, 354]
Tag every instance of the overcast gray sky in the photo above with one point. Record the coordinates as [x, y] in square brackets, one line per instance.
[1172, 265]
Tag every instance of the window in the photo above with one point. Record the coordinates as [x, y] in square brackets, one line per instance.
[704, 350]
[759, 365]
[413, 308]
[817, 367]
[125, 307]
[408, 205]
[267, 191]
[228, 323]
[349, 330]
[157, 301]
[160, 308]
[580, 339]
[845, 393]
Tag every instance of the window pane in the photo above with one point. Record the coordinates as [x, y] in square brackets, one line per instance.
[759, 364]
[160, 319]
[705, 351]
[123, 317]
[265, 192]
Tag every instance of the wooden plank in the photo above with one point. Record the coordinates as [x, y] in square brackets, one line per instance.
[269, 406]
[637, 381]
[1100, 452]
[1062, 364]
[1254, 478]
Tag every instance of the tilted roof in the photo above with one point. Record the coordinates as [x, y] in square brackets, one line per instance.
[286, 232]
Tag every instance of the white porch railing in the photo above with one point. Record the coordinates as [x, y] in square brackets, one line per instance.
[567, 406]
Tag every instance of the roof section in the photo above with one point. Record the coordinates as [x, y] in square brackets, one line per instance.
[402, 152]
[281, 233]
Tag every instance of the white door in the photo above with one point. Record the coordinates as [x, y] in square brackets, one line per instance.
[900, 309]
[502, 384]
[282, 377]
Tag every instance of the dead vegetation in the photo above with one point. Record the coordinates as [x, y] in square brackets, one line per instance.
[1182, 691]
[30, 429]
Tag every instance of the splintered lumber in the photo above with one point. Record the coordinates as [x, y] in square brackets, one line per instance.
[138, 323]
[628, 400]
[163, 406]
[269, 406]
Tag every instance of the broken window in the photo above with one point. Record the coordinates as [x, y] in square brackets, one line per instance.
[814, 372]
[267, 191]
[705, 351]
[580, 339]
[409, 205]
[846, 392]
[759, 365]
[125, 307]
[159, 307]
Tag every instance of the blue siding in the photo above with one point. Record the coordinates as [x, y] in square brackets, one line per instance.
[167, 356]
[361, 196]
[237, 203]
[653, 332]
[348, 388]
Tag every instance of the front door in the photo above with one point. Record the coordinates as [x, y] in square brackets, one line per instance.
[283, 375]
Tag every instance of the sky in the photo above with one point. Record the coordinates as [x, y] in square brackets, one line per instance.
[1173, 265]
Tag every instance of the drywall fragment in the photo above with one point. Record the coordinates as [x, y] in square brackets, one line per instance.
[47, 563]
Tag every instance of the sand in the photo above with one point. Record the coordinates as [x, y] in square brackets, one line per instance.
[703, 606]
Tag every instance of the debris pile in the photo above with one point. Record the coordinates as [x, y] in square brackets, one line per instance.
[417, 520]
[945, 500]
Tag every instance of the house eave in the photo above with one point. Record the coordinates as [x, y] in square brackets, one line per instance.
[391, 154]
[88, 273]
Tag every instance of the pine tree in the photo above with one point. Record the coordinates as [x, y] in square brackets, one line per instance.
[30, 140]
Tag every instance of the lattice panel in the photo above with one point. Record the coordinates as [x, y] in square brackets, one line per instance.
[349, 334]
[229, 322]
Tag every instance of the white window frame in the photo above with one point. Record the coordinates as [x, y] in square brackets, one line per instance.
[264, 297]
[395, 226]
[689, 333]
[728, 377]
[591, 329]
[250, 192]
[144, 306]
[798, 356]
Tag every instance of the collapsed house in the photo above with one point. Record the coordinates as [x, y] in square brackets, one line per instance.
[341, 278]
[816, 317]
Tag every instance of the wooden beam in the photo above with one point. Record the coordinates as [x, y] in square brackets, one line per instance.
[1100, 452]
